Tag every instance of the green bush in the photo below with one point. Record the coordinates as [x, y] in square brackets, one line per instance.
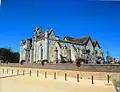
[7, 55]
[79, 61]
[22, 61]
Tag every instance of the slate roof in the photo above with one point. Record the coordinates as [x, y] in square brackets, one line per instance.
[24, 42]
[58, 36]
[82, 40]
[67, 42]
[50, 32]
[60, 45]
[96, 42]
[74, 48]
[40, 36]
[30, 40]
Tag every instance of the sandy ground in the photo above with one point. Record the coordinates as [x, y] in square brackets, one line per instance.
[33, 83]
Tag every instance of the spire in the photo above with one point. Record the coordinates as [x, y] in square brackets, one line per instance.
[37, 30]
[51, 29]
[37, 27]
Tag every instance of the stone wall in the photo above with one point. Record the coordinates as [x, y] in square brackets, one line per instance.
[66, 66]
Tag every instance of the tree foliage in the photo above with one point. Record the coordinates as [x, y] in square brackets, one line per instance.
[8, 56]
[79, 61]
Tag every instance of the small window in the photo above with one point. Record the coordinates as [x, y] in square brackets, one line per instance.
[52, 55]
[96, 52]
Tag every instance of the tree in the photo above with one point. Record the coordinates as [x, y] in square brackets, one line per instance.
[8, 56]
[5, 53]
[14, 57]
[79, 61]
[109, 59]
[119, 61]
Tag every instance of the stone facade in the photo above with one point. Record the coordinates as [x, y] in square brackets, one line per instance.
[47, 46]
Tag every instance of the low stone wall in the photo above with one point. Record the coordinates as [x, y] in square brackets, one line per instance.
[86, 68]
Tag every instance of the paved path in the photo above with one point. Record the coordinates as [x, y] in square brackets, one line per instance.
[9, 75]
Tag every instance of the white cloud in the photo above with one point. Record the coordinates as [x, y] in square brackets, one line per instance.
[0, 2]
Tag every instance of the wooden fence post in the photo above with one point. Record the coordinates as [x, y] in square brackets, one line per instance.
[30, 73]
[55, 75]
[17, 72]
[92, 80]
[45, 74]
[37, 73]
[108, 77]
[23, 72]
[78, 77]
[12, 71]
[3, 70]
[7, 71]
[65, 76]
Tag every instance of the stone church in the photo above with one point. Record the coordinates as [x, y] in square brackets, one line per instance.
[45, 45]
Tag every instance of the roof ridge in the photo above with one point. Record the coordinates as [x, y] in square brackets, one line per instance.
[83, 37]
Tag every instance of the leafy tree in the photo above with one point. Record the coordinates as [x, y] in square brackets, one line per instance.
[14, 57]
[8, 56]
[79, 61]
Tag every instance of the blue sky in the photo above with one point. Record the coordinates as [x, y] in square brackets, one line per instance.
[76, 18]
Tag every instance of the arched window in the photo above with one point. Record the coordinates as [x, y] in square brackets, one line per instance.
[78, 50]
[56, 48]
[88, 51]
[24, 53]
[65, 47]
[51, 51]
[69, 53]
[64, 50]
[93, 53]
[96, 51]
[56, 55]
[41, 53]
